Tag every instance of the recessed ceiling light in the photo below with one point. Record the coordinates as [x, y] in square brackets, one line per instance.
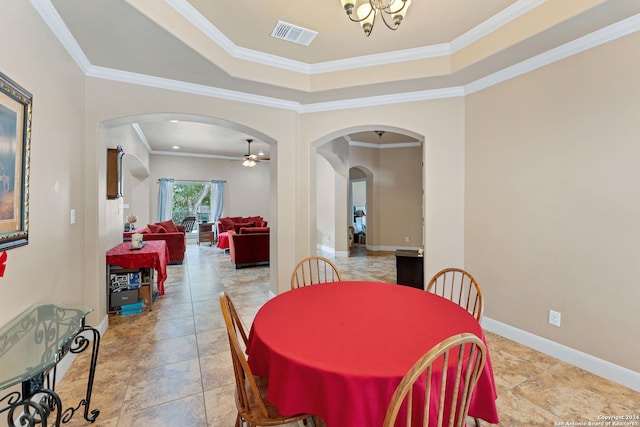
[174, 121]
[175, 147]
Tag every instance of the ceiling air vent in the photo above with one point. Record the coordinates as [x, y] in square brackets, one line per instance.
[293, 34]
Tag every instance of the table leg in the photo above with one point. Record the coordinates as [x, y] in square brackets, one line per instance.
[32, 412]
[81, 343]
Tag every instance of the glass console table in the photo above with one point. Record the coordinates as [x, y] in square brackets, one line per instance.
[31, 346]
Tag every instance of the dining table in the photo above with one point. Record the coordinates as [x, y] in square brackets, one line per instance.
[339, 350]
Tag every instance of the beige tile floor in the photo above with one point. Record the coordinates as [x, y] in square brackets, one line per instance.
[171, 367]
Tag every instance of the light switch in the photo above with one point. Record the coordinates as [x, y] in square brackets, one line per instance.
[73, 216]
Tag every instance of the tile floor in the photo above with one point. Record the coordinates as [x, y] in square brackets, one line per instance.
[171, 367]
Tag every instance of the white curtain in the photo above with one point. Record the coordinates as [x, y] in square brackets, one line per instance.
[165, 199]
[217, 196]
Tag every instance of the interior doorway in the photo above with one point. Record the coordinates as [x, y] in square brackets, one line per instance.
[358, 207]
[386, 169]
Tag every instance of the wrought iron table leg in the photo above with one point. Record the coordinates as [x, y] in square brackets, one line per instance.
[32, 412]
[80, 344]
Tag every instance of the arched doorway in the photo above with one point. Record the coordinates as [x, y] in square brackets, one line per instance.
[391, 165]
[241, 190]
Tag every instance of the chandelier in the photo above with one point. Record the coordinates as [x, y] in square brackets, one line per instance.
[391, 11]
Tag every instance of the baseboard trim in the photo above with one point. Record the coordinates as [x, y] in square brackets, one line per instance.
[600, 367]
[385, 248]
[326, 249]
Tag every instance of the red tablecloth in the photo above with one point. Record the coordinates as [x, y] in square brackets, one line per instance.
[223, 241]
[154, 254]
[338, 351]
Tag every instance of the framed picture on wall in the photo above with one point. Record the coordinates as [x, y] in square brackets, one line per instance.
[15, 144]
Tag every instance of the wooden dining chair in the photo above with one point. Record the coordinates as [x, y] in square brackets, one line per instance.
[450, 389]
[313, 270]
[253, 408]
[460, 287]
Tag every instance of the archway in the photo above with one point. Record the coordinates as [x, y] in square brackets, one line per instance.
[394, 191]
[122, 131]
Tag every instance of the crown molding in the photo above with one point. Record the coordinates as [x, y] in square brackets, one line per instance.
[385, 146]
[192, 15]
[612, 32]
[183, 154]
[142, 136]
[371, 101]
[485, 28]
[597, 38]
[50, 15]
[385, 58]
[185, 87]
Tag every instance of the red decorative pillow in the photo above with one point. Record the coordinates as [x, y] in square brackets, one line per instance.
[169, 226]
[238, 225]
[144, 231]
[156, 228]
[227, 224]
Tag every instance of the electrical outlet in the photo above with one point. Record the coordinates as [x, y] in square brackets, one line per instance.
[406, 238]
[554, 318]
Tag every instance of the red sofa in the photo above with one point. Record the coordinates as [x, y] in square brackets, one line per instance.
[176, 240]
[250, 247]
[235, 223]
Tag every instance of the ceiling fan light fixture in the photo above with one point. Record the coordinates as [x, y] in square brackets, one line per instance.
[250, 160]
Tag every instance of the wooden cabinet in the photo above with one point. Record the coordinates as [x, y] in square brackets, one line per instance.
[114, 172]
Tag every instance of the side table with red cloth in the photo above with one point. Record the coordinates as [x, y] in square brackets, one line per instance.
[339, 350]
[154, 254]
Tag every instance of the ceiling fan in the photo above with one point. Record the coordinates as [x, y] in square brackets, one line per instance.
[250, 160]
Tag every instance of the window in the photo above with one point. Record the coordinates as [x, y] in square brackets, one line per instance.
[191, 199]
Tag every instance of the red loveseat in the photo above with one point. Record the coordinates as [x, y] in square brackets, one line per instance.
[250, 247]
[174, 236]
